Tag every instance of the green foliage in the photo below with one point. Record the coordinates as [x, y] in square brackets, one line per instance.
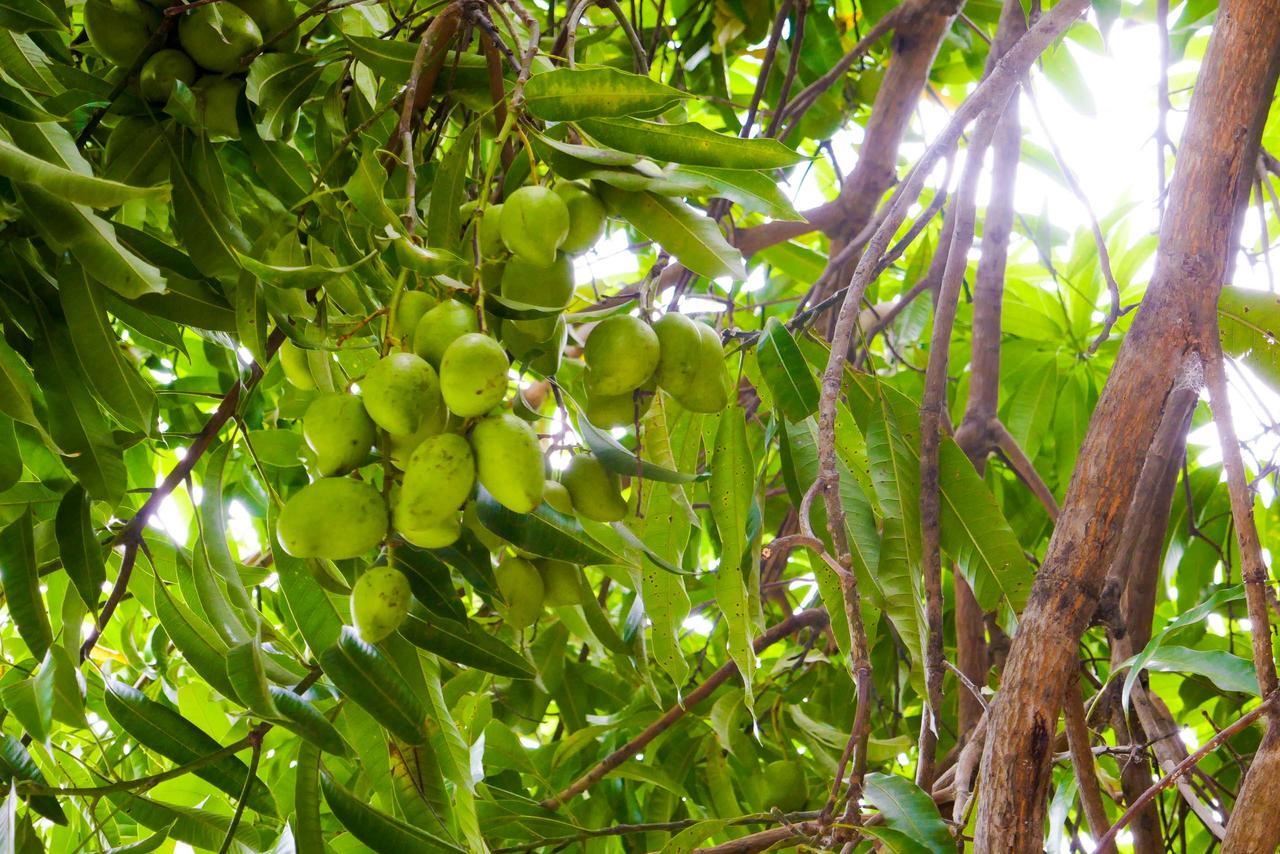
[286, 368]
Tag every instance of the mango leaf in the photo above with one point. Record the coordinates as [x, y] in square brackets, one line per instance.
[689, 839]
[81, 554]
[31, 702]
[248, 676]
[299, 716]
[756, 192]
[790, 379]
[16, 385]
[168, 733]
[586, 153]
[732, 490]
[194, 638]
[369, 680]
[198, 827]
[691, 237]
[377, 830]
[16, 764]
[280, 166]
[448, 192]
[23, 16]
[117, 383]
[91, 239]
[73, 187]
[303, 277]
[690, 143]
[618, 459]
[545, 532]
[568, 94]
[203, 215]
[466, 643]
[1248, 323]
[279, 83]
[906, 808]
[21, 583]
[307, 832]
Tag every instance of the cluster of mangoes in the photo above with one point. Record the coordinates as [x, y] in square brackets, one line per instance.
[207, 47]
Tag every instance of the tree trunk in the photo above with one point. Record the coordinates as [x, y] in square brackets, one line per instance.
[1198, 240]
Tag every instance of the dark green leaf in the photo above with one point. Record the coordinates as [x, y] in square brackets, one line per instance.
[22, 584]
[790, 379]
[368, 679]
[690, 143]
[568, 94]
[545, 532]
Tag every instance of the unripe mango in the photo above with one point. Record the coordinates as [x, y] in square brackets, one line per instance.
[593, 489]
[293, 361]
[586, 217]
[617, 410]
[533, 224]
[521, 587]
[159, 74]
[554, 493]
[119, 29]
[560, 583]
[400, 448]
[272, 16]
[440, 327]
[411, 308]
[711, 386]
[509, 461]
[333, 518]
[621, 354]
[216, 99]
[473, 375]
[436, 536]
[437, 481]
[544, 286]
[680, 352]
[400, 391]
[218, 36]
[379, 602]
[491, 245]
[339, 430]
[785, 786]
[471, 521]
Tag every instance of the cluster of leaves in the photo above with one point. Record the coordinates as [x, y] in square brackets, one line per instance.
[171, 675]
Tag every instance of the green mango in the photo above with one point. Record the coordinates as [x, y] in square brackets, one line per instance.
[380, 601]
[333, 518]
[297, 370]
[471, 521]
[272, 16]
[443, 533]
[593, 489]
[587, 217]
[491, 245]
[521, 587]
[509, 461]
[547, 362]
[437, 481]
[161, 71]
[617, 410]
[400, 391]
[119, 29]
[440, 327]
[339, 430]
[216, 105]
[712, 385]
[533, 224]
[410, 309]
[473, 375]
[554, 493]
[561, 583]
[680, 349]
[544, 286]
[785, 786]
[621, 354]
[218, 36]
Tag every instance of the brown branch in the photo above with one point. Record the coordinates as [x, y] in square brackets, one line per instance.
[1183, 767]
[130, 536]
[1253, 569]
[1082, 762]
[1023, 468]
[813, 618]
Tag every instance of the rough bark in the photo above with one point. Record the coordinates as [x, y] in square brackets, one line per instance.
[1198, 239]
[1253, 828]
